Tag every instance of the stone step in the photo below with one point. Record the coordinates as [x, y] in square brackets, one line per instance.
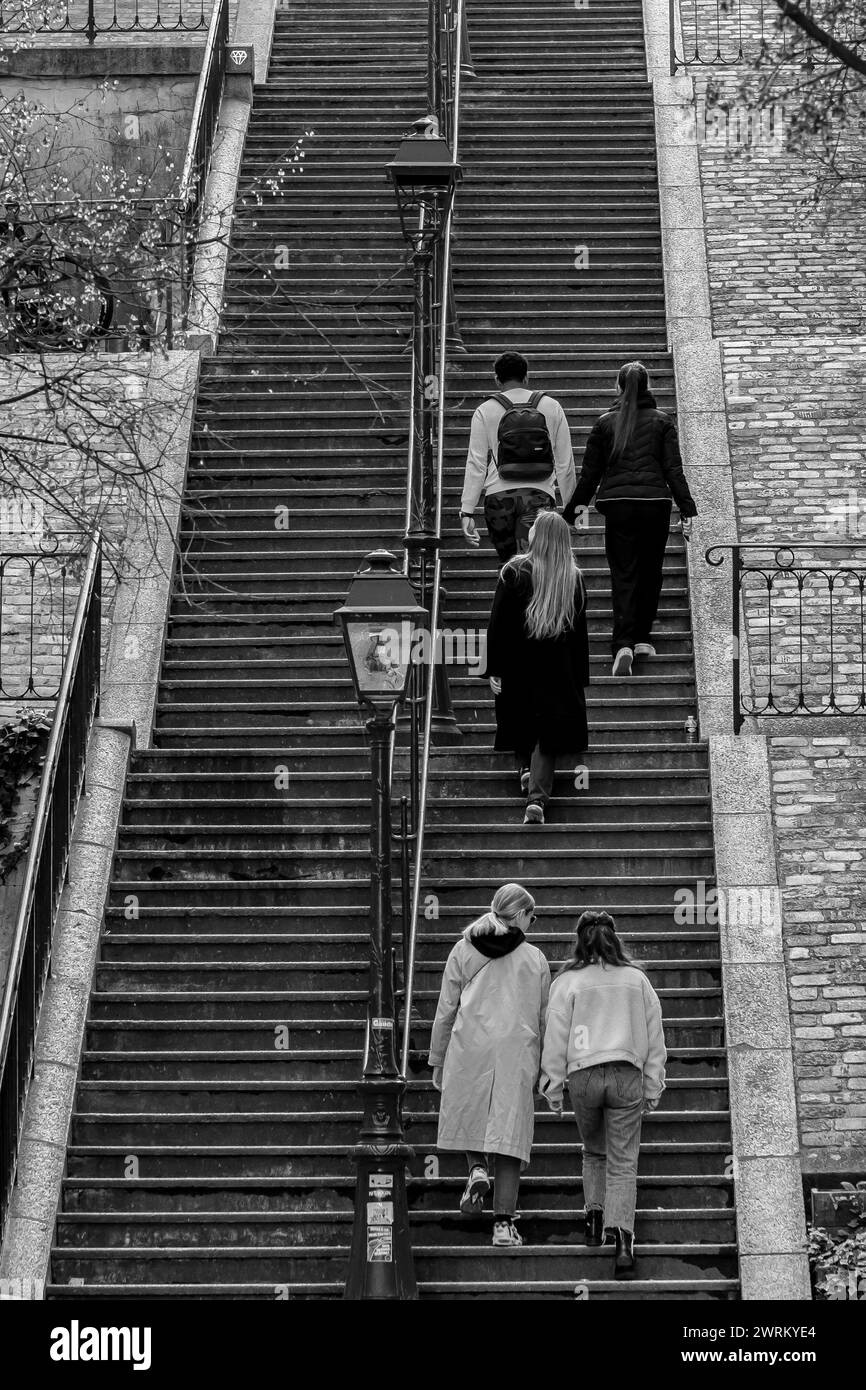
[626, 757]
[602, 1290]
[279, 1265]
[547, 1226]
[572, 890]
[189, 815]
[274, 1160]
[340, 1025]
[127, 1097]
[269, 991]
[328, 1127]
[489, 838]
[677, 956]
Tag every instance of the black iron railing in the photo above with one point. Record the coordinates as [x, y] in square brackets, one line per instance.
[38, 590]
[798, 612]
[94, 17]
[45, 873]
[725, 33]
[204, 123]
[428, 698]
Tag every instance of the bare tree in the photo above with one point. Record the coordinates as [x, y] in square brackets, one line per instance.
[813, 66]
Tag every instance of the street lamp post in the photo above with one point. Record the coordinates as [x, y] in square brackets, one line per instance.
[379, 620]
[425, 176]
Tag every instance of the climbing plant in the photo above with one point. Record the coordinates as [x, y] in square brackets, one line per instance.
[23, 742]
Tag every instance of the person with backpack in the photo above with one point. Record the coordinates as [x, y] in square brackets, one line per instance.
[519, 450]
[538, 659]
[632, 462]
[485, 1050]
[604, 1039]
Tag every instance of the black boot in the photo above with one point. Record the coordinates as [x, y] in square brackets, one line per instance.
[592, 1220]
[623, 1262]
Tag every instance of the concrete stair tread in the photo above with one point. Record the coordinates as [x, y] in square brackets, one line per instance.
[330, 1150]
[349, 1116]
[326, 1181]
[636, 1288]
[300, 1084]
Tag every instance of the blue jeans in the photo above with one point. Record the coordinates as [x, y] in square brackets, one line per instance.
[608, 1107]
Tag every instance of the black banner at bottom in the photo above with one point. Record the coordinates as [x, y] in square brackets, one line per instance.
[72, 1341]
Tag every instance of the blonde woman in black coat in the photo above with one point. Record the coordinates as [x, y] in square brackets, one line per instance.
[538, 659]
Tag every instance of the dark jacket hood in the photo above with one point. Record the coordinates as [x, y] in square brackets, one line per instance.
[483, 936]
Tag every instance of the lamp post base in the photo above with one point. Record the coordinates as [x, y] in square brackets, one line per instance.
[380, 1261]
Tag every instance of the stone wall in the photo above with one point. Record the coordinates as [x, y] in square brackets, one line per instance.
[788, 302]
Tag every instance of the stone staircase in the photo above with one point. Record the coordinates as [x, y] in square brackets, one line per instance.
[218, 1093]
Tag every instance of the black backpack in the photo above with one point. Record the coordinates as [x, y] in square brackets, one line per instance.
[525, 450]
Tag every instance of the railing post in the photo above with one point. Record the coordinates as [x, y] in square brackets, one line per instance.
[736, 581]
[672, 36]
[91, 23]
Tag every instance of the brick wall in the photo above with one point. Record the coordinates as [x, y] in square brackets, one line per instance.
[819, 796]
[788, 294]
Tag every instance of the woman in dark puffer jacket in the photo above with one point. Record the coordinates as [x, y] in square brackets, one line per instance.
[632, 459]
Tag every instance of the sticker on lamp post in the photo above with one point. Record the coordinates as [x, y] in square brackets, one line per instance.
[380, 1245]
[380, 1214]
[382, 1025]
[381, 1189]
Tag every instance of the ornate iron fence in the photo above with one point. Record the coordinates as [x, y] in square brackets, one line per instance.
[45, 874]
[725, 33]
[38, 591]
[93, 17]
[802, 607]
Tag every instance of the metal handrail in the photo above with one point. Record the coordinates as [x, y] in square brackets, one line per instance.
[205, 115]
[46, 866]
[419, 829]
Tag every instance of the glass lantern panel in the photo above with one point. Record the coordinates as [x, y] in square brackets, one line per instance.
[381, 652]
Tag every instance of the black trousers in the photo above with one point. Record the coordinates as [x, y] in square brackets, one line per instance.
[635, 537]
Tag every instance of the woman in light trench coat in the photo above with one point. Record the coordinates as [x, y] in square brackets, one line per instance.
[485, 1051]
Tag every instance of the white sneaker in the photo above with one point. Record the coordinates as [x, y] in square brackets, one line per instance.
[506, 1233]
[644, 649]
[622, 662]
[476, 1189]
[534, 814]
[524, 780]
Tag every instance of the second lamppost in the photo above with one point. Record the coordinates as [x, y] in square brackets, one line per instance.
[380, 619]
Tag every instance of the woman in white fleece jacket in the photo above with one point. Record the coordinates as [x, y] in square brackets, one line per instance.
[604, 1037]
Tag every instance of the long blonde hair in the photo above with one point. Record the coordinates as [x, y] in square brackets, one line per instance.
[554, 575]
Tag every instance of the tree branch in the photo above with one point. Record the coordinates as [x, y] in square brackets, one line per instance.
[839, 50]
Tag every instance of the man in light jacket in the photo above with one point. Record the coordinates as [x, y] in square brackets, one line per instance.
[511, 504]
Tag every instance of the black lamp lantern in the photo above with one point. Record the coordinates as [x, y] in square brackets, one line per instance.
[379, 620]
[424, 174]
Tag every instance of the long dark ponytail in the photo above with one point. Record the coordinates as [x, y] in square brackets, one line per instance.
[632, 381]
[596, 943]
